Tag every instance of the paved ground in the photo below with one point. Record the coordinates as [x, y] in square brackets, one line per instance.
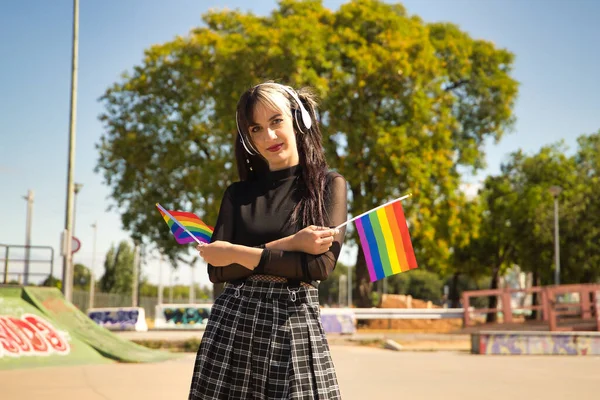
[363, 373]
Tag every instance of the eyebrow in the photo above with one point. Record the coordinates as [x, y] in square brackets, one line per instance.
[252, 123]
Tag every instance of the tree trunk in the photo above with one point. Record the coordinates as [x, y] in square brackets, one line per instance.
[453, 294]
[534, 298]
[364, 287]
[493, 300]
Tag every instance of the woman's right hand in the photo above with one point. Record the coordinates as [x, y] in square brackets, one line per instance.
[314, 239]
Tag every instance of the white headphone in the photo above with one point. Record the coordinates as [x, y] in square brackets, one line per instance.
[306, 120]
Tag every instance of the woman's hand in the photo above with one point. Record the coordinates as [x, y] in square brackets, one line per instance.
[218, 253]
[313, 239]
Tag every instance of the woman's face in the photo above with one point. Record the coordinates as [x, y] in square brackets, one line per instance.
[272, 133]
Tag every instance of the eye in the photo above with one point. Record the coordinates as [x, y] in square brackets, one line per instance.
[254, 129]
[277, 121]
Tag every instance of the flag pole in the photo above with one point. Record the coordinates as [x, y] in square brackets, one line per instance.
[161, 208]
[376, 208]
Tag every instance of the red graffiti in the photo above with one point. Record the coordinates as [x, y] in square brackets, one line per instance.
[30, 336]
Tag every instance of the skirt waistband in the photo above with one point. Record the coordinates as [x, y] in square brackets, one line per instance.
[273, 290]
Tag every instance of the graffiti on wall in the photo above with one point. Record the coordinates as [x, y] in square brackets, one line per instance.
[187, 315]
[124, 319]
[182, 316]
[30, 335]
[338, 323]
[516, 344]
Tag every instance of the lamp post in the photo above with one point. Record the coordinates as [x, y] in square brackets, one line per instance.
[76, 189]
[555, 192]
[67, 274]
[92, 277]
[29, 199]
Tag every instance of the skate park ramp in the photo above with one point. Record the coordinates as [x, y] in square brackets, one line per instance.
[29, 338]
[54, 306]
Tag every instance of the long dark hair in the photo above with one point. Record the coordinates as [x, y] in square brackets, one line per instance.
[312, 181]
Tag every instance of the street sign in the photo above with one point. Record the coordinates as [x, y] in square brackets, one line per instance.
[75, 245]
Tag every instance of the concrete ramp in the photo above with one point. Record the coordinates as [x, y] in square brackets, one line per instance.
[28, 338]
[51, 302]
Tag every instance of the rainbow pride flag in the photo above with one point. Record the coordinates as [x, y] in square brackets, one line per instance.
[386, 241]
[186, 227]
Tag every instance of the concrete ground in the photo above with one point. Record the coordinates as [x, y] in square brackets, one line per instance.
[363, 372]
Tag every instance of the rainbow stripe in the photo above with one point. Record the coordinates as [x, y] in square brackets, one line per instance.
[191, 222]
[386, 241]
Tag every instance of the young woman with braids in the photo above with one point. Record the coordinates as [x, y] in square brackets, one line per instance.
[272, 243]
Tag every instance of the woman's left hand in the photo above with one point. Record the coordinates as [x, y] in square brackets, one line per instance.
[218, 253]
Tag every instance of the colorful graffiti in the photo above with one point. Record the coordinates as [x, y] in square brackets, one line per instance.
[118, 318]
[189, 316]
[521, 344]
[30, 335]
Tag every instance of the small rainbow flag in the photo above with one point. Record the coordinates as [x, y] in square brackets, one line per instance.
[186, 227]
[385, 240]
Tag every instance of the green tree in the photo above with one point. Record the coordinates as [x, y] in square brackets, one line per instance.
[580, 238]
[51, 281]
[118, 269]
[492, 251]
[81, 277]
[420, 284]
[405, 106]
[518, 217]
[329, 289]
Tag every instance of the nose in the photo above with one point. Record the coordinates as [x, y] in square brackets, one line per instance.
[271, 134]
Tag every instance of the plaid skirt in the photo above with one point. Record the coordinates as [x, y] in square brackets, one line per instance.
[264, 341]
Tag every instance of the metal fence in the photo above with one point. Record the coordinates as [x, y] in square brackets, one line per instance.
[81, 300]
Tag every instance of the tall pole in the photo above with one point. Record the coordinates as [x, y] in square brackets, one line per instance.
[160, 281]
[92, 277]
[171, 286]
[556, 244]
[349, 286]
[76, 189]
[342, 289]
[134, 281]
[555, 191]
[67, 285]
[29, 199]
[192, 295]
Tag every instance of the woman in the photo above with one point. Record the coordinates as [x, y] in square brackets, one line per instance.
[271, 245]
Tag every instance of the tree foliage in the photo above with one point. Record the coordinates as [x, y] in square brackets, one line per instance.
[118, 269]
[405, 105]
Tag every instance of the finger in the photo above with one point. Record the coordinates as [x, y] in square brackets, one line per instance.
[327, 233]
[325, 240]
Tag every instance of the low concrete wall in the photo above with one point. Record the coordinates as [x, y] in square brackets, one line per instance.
[338, 320]
[535, 343]
[120, 318]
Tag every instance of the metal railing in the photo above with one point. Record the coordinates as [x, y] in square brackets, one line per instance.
[400, 313]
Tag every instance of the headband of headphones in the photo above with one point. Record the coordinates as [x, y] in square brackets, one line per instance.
[306, 120]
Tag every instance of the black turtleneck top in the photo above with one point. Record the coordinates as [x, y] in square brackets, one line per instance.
[254, 213]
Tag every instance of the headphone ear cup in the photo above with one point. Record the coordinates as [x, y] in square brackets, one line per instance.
[298, 119]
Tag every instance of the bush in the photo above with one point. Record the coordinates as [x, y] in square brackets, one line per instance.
[419, 283]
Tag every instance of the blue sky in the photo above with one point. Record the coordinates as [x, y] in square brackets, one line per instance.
[555, 42]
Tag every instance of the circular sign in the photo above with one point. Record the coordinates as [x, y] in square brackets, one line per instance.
[75, 245]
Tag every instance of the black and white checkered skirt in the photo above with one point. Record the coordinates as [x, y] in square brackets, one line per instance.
[264, 342]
